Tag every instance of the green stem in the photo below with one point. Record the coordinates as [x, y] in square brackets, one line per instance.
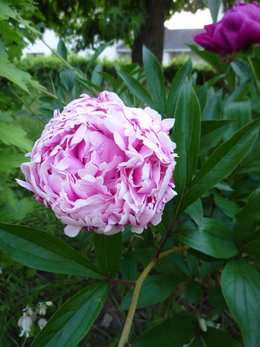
[254, 75]
[131, 312]
[137, 290]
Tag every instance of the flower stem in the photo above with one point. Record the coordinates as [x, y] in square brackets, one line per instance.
[131, 312]
[137, 290]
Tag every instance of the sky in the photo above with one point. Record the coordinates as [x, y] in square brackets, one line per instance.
[188, 20]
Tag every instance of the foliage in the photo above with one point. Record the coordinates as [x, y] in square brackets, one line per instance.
[193, 279]
[100, 21]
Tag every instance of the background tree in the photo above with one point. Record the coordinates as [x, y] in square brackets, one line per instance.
[137, 22]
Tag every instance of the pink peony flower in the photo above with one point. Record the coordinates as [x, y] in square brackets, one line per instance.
[238, 29]
[101, 165]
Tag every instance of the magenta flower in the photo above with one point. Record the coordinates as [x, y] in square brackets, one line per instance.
[101, 165]
[238, 29]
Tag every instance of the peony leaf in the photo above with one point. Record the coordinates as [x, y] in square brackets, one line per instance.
[136, 88]
[222, 162]
[73, 320]
[180, 329]
[240, 283]
[210, 237]
[42, 251]
[155, 79]
[62, 49]
[248, 218]
[186, 134]
[156, 289]
[176, 86]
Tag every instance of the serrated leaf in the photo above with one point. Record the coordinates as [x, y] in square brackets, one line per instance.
[6, 11]
[108, 252]
[10, 160]
[73, 320]
[39, 250]
[211, 238]
[222, 162]
[13, 134]
[18, 212]
[155, 79]
[240, 284]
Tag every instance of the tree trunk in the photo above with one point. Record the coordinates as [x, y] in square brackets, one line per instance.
[151, 33]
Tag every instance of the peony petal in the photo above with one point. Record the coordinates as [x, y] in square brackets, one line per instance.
[72, 230]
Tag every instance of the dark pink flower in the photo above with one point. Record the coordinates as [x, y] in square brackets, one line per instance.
[238, 29]
[101, 165]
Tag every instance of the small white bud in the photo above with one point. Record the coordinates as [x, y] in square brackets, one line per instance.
[41, 323]
[203, 325]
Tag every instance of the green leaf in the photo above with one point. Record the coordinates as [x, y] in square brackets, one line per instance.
[177, 331]
[154, 76]
[212, 58]
[195, 211]
[218, 338]
[97, 53]
[214, 6]
[222, 162]
[136, 88]
[18, 212]
[10, 160]
[252, 166]
[62, 50]
[176, 87]
[186, 134]
[240, 284]
[252, 249]
[11, 72]
[247, 219]
[39, 250]
[211, 238]
[13, 134]
[208, 126]
[6, 11]
[73, 320]
[108, 252]
[228, 207]
[96, 76]
[238, 111]
[193, 292]
[156, 289]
